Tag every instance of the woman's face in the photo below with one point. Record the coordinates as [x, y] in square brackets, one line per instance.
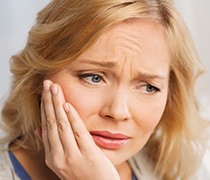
[119, 87]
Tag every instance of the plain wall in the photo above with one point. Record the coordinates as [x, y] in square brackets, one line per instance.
[16, 18]
[197, 17]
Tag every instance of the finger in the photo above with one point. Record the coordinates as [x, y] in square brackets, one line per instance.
[64, 128]
[81, 134]
[51, 135]
[44, 130]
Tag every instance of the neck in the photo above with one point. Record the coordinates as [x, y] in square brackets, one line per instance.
[34, 164]
[124, 170]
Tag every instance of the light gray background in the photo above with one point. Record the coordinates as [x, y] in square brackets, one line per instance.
[17, 16]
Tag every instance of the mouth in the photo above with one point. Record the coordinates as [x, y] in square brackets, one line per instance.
[108, 140]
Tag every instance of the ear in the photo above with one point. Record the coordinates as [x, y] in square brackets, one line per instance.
[38, 133]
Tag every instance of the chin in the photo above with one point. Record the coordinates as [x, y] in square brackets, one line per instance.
[117, 157]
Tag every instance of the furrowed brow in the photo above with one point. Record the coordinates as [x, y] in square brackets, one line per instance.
[108, 64]
[148, 76]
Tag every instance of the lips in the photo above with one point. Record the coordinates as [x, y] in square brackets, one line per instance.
[108, 140]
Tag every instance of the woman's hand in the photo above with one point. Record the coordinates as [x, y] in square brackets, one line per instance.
[69, 148]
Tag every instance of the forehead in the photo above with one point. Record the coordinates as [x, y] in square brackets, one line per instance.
[146, 34]
[141, 41]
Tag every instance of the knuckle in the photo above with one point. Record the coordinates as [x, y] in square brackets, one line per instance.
[60, 164]
[73, 161]
[44, 128]
[52, 162]
[70, 162]
[77, 135]
[62, 125]
[50, 122]
[80, 134]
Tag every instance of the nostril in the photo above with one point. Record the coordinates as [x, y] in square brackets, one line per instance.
[116, 107]
[109, 117]
[116, 117]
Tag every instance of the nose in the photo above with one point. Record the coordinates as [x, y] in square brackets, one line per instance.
[116, 106]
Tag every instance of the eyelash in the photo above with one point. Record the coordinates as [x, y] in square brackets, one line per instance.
[84, 77]
[147, 85]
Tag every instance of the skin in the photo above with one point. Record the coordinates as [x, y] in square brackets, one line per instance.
[120, 85]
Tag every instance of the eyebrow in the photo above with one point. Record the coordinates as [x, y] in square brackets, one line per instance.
[139, 75]
[148, 76]
[108, 64]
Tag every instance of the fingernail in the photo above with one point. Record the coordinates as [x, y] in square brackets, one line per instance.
[46, 85]
[66, 107]
[54, 89]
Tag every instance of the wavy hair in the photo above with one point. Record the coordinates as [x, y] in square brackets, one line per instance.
[65, 29]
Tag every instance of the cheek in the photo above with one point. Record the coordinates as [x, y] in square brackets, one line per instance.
[85, 102]
[149, 117]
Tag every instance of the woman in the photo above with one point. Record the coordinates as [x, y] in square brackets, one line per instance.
[110, 83]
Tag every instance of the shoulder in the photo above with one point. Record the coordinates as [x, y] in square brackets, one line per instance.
[6, 168]
[142, 166]
[202, 173]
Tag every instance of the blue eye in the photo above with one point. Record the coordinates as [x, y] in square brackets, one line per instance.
[147, 88]
[91, 78]
[95, 78]
[150, 88]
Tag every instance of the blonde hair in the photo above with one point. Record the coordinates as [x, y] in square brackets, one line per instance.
[64, 30]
